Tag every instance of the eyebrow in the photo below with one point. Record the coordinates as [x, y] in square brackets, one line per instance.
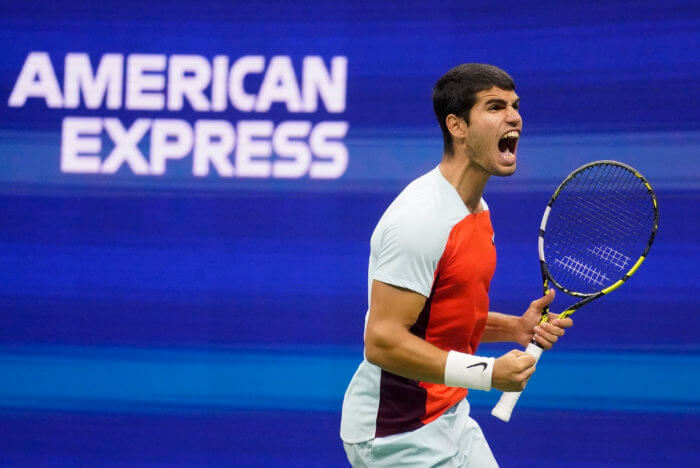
[502, 102]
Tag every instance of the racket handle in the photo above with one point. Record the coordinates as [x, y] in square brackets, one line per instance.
[505, 405]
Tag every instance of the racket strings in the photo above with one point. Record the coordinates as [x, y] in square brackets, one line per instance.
[598, 227]
[622, 202]
[630, 206]
[618, 217]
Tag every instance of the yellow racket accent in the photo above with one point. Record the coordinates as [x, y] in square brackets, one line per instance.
[613, 287]
[636, 265]
[629, 273]
[566, 313]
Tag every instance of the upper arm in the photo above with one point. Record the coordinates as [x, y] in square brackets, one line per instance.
[396, 304]
[406, 250]
[393, 310]
[402, 274]
[389, 342]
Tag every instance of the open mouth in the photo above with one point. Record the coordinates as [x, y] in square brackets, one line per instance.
[509, 142]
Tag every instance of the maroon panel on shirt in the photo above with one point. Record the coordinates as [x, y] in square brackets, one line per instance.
[401, 400]
[401, 405]
[419, 328]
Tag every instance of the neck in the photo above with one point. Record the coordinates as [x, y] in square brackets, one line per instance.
[468, 179]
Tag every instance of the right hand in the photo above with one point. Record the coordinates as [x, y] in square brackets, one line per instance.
[512, 371]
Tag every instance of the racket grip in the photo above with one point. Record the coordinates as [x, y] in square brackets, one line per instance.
[505, 405]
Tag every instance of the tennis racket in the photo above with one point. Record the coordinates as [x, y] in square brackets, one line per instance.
[596, 231]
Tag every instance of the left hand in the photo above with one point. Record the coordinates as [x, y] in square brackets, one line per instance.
[546, 334]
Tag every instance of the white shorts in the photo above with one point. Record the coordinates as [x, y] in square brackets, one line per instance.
[452, 440]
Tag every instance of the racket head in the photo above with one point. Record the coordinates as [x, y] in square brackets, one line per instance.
[597, 228]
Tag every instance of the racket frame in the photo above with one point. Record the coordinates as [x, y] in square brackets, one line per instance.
[547, 276]
[508, 400]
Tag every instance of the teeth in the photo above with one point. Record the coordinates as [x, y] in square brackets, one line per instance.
[512, 134]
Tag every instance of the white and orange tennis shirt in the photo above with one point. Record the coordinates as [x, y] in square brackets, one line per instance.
[426, 241]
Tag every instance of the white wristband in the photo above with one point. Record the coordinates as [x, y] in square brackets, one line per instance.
[468, 371]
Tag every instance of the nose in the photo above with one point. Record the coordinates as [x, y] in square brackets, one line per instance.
[513, 118]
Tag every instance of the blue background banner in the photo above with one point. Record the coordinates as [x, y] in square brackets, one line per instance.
[176, 318]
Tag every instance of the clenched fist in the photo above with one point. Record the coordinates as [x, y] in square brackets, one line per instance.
[512, 371]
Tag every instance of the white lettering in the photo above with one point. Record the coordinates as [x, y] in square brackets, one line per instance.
[279, 85]
[37, 79]
[143, 86]
[75, 140]
[218, 83]
[125, 146]
[188, 75]
[156, 82]
[295, 155]
[334, 154]
[299, 148]
[249, 152]
[78, 77]
[214, 141]
[170, 139]
[243, 66]
[316, 81]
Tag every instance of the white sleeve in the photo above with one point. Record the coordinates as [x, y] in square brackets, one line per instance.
[408, 255]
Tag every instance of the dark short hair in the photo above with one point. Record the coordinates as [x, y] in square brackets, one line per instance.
[455, 92]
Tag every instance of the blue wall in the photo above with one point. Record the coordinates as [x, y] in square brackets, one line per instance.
[185, 320]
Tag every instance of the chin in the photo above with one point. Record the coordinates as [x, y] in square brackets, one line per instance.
[505, 171]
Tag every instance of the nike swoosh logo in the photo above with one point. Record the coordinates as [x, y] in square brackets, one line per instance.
[478, 364]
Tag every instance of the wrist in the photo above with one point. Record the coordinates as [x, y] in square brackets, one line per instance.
[516, 327]
[502, 327]
[468, 371]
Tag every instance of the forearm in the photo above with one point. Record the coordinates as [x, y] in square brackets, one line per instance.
[524, 329]
[500, 327]
[400, 352]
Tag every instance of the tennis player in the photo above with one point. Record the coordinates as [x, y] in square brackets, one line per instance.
[432, 259]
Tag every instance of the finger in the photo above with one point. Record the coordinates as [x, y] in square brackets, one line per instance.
[524, 384]
[544, 344]
[551, 328]
[544, 301]
[526, 374]
[562, 323]
[524, 361]
[520, 379]
[546, 335]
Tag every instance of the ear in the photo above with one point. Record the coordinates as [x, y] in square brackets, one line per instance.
[456, 126]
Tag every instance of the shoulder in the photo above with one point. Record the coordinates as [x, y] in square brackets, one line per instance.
[422, 215]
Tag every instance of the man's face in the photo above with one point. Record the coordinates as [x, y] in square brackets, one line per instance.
[494, 130]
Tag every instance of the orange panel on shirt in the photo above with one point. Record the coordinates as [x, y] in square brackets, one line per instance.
[459, 301]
